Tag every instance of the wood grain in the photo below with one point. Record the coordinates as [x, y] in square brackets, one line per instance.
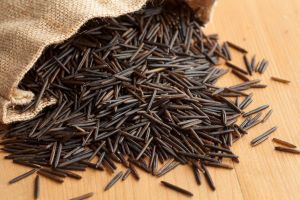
[271, 29]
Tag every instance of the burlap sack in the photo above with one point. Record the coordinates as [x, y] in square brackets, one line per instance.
[28, 26]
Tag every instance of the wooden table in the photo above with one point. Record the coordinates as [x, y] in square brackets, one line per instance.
[271, 29]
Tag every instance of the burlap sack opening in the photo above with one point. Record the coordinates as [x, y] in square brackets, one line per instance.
[28, 27]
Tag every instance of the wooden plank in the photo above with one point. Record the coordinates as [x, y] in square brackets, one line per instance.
[271, 30]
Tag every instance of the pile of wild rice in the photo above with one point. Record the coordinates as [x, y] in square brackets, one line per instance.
[137, 90]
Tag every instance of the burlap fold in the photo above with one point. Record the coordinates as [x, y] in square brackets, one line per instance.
[28, 26]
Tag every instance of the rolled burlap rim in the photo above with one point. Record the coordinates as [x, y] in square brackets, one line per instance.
[28, 27]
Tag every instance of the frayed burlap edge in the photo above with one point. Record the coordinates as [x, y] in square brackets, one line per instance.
[10, 114]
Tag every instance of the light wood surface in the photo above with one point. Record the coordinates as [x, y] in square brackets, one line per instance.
[268, 28]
